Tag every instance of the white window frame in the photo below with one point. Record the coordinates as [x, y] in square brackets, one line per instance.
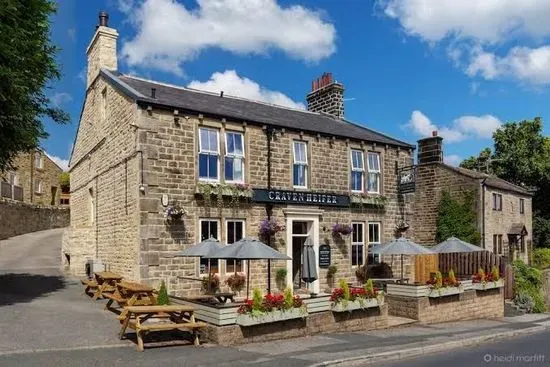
[39, 189]
[497, 198]
[233, 155]
[39, 161]
[13, 178]
[374, 243]
[209, 152]
[302, 163]
[521, 206]
[243, 222]
[218, 221]
[355, 169]
[361, 243]
[373, 171]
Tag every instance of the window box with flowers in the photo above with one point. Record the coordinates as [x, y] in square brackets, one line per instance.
[368, 200]
[270, 308]
[218, 191]
[344, 299]
[444, 286]
[270, 227]
[483, 282]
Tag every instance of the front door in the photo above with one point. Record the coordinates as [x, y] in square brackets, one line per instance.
[301, 230]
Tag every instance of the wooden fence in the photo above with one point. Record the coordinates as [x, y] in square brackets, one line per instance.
[424, 265]
[467, 264]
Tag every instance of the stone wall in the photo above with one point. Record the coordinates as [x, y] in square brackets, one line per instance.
[19, 218]
[468, 305]
[316, 323]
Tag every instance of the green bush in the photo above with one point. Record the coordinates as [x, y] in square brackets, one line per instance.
[162, 298]
[289, 299]
[457, 219]
[345, 287]
[541, 258]
[257, 300]
[528, 282]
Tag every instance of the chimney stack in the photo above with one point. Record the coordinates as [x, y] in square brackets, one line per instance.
[430, 150]
[327, 96]
[102, 49]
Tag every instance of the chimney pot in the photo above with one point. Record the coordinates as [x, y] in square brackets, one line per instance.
[153, 92]
[221, 94]
[103, 19]
[434, 133]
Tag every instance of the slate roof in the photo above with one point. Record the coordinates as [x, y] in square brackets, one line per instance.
[241, 109]
[491, 181]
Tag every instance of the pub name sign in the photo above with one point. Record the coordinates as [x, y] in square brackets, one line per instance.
[299, 197]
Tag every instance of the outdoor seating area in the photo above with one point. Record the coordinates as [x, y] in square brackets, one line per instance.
[137, 307]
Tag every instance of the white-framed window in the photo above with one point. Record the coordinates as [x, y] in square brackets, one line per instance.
[522, 206]
[104, 104]
[92, 205]
[39, 160]
[299, 176]
[234, 157]
[373, 177]
[209, 228]
[13, 178]
[234, 231]
[38, 186]
[209, 154]
[374, 239]
[357, 171]
[357, 244]
[497, 202]
[497, 244]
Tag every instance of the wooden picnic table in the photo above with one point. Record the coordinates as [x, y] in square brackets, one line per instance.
[220, 297]
[106, 283]
[131, 294]
[144, 319]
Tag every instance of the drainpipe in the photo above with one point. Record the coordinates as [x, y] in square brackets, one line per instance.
[269, 207]
[483, 212]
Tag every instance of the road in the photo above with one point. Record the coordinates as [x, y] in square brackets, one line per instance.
[532, 350]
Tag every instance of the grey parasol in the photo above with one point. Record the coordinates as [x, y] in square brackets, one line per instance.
[400, 246]
[309, 266]
[248, 249]
[202, 249]
[453, 244]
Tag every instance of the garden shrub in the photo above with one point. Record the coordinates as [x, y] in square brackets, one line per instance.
[541, 258]
[528, 282]
[162, 298]
[457, 219]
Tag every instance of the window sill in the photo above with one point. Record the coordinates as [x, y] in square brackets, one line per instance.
[368, 200]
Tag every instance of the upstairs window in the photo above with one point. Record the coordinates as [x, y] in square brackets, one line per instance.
[234, 157]
[39, 161]
[357, 170]
[373, 185]
[209, 154]
[497, 202]
[13, 179]
[38, 186]
[521, 206]
[300, 164]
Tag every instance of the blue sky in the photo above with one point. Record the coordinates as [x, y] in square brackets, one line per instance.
[408, 66]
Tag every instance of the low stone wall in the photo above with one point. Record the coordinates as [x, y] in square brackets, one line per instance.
[469, 305]
[546, 286]
[321, 322]
[19, 218]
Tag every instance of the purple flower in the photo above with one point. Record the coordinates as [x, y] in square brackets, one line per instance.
[342, 229]
[268, 227]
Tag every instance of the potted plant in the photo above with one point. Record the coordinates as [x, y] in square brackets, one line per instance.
[174, 213]
[346, 299]
[270, 227]
[280, 278]
[341, 229]
[211, 284]
[162, 298]
[440, 286]
[482, 281]
[236, 282]
[270, 308]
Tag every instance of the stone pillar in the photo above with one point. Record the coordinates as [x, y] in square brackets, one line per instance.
[102, 52]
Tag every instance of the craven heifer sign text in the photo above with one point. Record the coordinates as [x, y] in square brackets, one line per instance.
[299, 197]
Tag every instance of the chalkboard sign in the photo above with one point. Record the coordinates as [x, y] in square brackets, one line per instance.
[324, 256]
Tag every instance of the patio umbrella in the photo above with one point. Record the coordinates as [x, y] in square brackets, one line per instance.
[309, 266]
[202, 249]
[248, 249]
[400, 246]
[453, 244]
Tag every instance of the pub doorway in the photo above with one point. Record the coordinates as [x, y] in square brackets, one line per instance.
[301, 231]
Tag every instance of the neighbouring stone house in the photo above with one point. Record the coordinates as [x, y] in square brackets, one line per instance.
[35, 179]
[143, 147]
[503, 210]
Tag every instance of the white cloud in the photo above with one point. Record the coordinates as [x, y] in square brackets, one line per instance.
[60, 98]
[452, 159]
[63, 163]
[232, 84]
[71, 32]
[464, 127]
[477, 30]
[82, 75]
[169, 34]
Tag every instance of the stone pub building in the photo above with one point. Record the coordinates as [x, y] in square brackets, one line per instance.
[144, 146]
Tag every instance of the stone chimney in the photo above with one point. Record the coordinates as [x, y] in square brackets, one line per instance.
[430, 150]
[102, 50]
[327, 96]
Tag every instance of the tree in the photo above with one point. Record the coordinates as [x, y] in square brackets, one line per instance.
[27, 66]
[65, 182]
[522, 156]
[457, 219]
[481, 163]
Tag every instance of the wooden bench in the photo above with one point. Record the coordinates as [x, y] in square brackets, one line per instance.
[175, 317]
[91, 285]
[114, 297]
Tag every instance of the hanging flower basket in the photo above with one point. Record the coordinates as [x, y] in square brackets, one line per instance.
[341, 229]
[270, 227]
[174, 213]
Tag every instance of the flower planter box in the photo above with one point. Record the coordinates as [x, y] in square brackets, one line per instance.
[274, 316]
[376, 201]
[406, 290]
[488, 285]
[357, 305]
[443, 292]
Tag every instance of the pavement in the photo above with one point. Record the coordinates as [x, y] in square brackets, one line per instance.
[47, 321]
